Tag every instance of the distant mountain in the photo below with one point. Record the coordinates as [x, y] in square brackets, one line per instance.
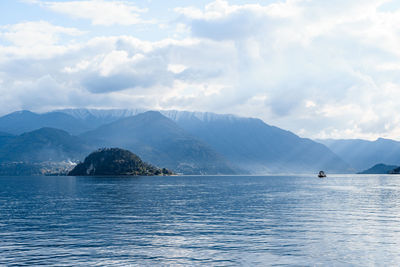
[115, 161]
[74, 121]
[45, 144]
[26, 121]
[160, 141]
[379, 169]
[361, 154]
[249, 144]
[256, 146]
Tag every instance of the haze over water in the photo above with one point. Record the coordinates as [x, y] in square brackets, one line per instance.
[192, 220]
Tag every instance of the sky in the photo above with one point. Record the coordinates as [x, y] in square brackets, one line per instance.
[322, 69]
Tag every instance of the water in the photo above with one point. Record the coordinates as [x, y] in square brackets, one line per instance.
[271, 220]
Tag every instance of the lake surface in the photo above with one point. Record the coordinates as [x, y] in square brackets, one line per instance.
[209, 220]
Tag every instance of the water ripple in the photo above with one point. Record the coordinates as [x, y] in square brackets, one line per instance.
[218, 221]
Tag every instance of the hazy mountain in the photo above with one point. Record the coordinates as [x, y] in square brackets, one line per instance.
[45, 144]
[26, 121]
[362, 154]
[248, 143]
[74, 121]
[379, 169]
[254, 145]
[160, 141]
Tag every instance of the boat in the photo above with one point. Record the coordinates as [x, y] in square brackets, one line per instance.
[321, 174]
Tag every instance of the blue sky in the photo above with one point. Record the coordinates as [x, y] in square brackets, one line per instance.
[323, 69]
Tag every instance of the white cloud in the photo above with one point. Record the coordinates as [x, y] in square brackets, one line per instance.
[35, 33]
[35, 39]
[319, 68]
[221, 9]
[80, 66]
[176, 68]
[312, 61]
[99, 12]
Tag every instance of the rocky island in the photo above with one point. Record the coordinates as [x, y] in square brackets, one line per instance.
[115, 162]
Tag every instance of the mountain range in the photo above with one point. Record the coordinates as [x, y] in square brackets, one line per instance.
[363, 154]
[185, 142]
[253, 145]
[24, 121]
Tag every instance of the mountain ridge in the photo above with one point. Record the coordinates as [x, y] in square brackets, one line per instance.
[184, 118]
[362, 154]
[44, 144]
[26, 121]
[247, 144]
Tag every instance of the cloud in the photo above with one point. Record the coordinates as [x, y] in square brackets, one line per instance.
[99, 12]
[128, 63]
[318, 68]
[294, 52]
[118, 70]
[35, 33]
[37, 39]
[221, 21]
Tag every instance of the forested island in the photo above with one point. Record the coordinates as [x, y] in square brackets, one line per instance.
[115, 162]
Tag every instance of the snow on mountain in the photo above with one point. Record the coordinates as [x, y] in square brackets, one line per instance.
[83, 113]
[115, 114]
[176, 115]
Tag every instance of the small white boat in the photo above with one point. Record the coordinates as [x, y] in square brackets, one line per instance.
[321, 174]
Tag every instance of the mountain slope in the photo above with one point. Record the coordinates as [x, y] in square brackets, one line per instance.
[5, 138]
[45, 144]
[160, 141]
[362, 154]
[254, 145]
[248, 143]
[26, 121]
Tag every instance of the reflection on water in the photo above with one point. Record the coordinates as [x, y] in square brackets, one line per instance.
[211, 220]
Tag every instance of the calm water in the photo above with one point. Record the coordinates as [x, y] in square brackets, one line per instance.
[272, 220]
